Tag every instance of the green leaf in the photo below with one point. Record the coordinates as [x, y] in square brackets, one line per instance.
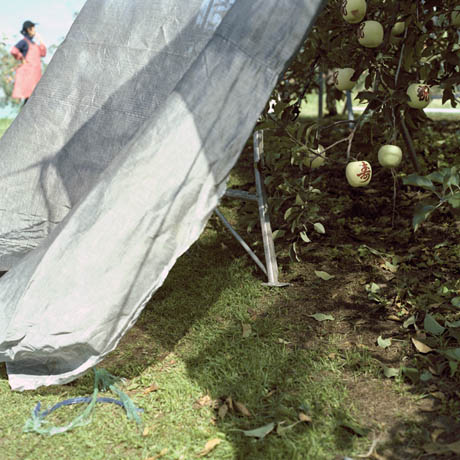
[390, 372]
[383, 343]
[432, 326]
[304, 237]
[411, 373]
[409, 322]
[260, 432]
[452, 353]
[419, 181]
[278, 233]
[319, 228]
[455, 301]
[422, 212]
[322, 317]
[454, 200]
[323, 275]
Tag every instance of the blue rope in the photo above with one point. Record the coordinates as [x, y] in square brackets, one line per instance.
[79, 400]
[37, 423]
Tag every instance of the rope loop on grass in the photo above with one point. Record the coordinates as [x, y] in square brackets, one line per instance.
[103, 380]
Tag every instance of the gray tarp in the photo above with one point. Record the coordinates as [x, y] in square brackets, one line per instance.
[113, 167]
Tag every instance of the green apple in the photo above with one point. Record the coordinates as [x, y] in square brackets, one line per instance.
[342, 79]
[353, 11]
[359, 173]
[370, 34]
[390, 156]
[455, 18]
[398, 29]
[419, 95]
[313, 160]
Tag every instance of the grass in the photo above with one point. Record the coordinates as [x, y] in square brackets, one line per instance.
[213, 332]
[189, 342]
[4, 124]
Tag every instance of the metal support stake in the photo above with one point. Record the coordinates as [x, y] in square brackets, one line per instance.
[267, 236]
[351, 116]
[241, 241]
[320, 94]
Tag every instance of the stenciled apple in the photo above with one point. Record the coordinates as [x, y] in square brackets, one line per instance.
[390, 156]
[353, 11]
[315, 159]
[370, 34]
[419, 95]
[359, 173]
[342, 79]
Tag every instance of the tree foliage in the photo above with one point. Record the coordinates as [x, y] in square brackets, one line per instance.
[426, 51]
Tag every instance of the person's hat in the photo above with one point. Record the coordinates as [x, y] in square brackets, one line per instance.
[26, 25]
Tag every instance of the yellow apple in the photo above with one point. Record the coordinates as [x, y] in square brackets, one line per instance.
[359, 173]
[342, 79]
[313, 160]
[390, 156]
[398, 28]
[353, 11]
[370, 34]
[419, 95]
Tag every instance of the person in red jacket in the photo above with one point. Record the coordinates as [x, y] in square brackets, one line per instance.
[29, 72]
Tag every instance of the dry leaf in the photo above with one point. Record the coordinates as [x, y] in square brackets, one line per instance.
[229, 402]
[305, 418]
[394, 318]
[421, 347]
[150, 389]
[146, 431]
[223, 411]
[246, 330]
[204, 401]
[438, 395]
[270, 393]
[436, 433]
[241, 408]
[210, 445]
[454, 447]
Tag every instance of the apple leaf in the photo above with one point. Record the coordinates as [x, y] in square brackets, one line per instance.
[319, 228]
[322, 317]
[432, 326]
[390, 372]
[323, 275]
[420, 346]
[383, 343]
[260, 432]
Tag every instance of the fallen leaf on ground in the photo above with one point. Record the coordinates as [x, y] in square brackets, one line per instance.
[204, 401]
[223, 411]
[305, 418]
[322, 317]
[420, 346]
[246, 330]
[390, 372]
[229, 402]
[210, 445]
[242, 409]
[383, 343]
[151, 388]
[323, 275]
[146, 431]
[260, 432]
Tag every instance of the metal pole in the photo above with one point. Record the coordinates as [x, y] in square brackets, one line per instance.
[267, 236]
[351, 116]
[240, 240]
[320, 94]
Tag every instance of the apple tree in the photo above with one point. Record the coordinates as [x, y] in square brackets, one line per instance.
[396, 54]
